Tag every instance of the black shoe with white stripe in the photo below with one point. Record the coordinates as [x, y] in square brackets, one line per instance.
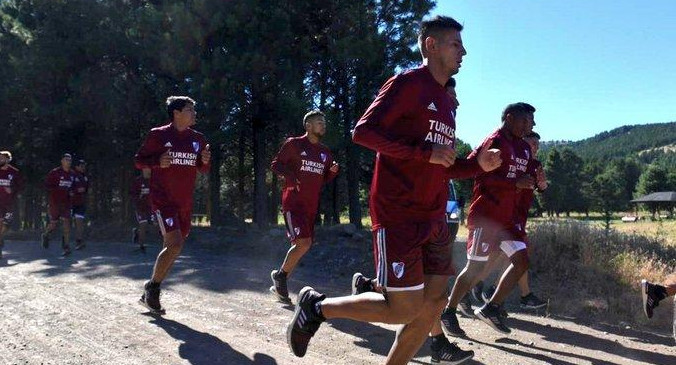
[361, 284]
[450, 322]
[465, 306]
[650, 297]
[488, 294]
[279, 287]
[490, 314]
[306, 320]
[446, 352]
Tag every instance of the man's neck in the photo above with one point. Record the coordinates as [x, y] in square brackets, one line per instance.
[179, 126]
[4, 167]
[508, 133]
[314, 139]
[438, 73]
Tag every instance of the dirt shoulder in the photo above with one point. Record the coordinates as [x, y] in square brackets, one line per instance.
[83, 310]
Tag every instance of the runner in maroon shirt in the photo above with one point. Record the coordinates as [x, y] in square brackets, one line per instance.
[11, 184]
[524, 201]
[306, 165]
[80, 189]
[411, 127]
[491, 219]
[59, 183]
[140, 195]
[174, 153]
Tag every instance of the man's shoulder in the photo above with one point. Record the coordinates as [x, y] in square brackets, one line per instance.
[160, 129]
[13, 169]
[410, 78]
[196, 133]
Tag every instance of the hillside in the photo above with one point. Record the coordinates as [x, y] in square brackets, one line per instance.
[649, 143]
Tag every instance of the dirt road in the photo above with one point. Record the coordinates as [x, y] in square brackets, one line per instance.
[83, 310]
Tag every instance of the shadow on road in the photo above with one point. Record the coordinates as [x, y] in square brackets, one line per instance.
[201, 348]
[579, 339]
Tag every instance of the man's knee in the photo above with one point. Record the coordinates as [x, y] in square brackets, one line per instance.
[303, 244]
[520, 260]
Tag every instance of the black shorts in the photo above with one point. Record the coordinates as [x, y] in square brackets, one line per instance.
[78, 211]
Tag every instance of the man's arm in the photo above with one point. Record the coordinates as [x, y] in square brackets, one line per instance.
[50, 181]
[393, 100]
[281, 164]
[204, 160]
[331, 172]
[148, 156]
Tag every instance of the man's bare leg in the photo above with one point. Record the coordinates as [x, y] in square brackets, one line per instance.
[299, 247]
[173, 245]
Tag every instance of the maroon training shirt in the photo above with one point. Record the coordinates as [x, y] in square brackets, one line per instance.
[172, 186]
[411, 113]
[495, 193]
[11, 183]
[80, 188]
[59, 183]
[308, 163]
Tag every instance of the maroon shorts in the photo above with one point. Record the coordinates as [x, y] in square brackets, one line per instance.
[299, 225]
[59, 210]
[6, 215]
[484, 240]
[406, 252]
[170, 219]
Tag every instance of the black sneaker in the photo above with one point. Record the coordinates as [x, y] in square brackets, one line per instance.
[530, 301]
[279, 287]
[79, 244]
[503, 312]
[134, 235]
[490, 313]
[465, 306]
[450, 323]
[449, 353]
[151, 298]
[488, 294]
[361, 284]
[650, 298]
[45, 241]
[305, 322]
[476, 291]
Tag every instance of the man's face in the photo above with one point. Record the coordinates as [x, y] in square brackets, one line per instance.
[81, 168]
[448, 50]
[146, 173]
[65, 163]
[520, 125]
[316, 126]
[186, 116]
[3, 160]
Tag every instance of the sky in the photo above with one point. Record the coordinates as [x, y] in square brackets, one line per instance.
[586, 66]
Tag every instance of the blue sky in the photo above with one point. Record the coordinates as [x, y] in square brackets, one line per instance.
[587, 66]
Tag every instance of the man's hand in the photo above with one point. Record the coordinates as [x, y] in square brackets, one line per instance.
[541, 178]
[8, 190]
[206, 155]
[298, 185]
[165, 160]
[525, 182]
[334, 167]
[489, 159]
[442, 155]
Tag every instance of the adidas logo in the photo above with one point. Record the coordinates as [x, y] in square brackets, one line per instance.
[303, 153]
[168, 144]
[432, 107]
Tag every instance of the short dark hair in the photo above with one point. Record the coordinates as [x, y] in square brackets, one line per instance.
[517, 109]
[80, 162]
[432, 27]
[533, 135]
[312, 114]
[450, 83]
[177, 103]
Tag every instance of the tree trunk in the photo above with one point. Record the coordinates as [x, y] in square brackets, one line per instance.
[241, 175]
[260, 211]
[214, 212]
